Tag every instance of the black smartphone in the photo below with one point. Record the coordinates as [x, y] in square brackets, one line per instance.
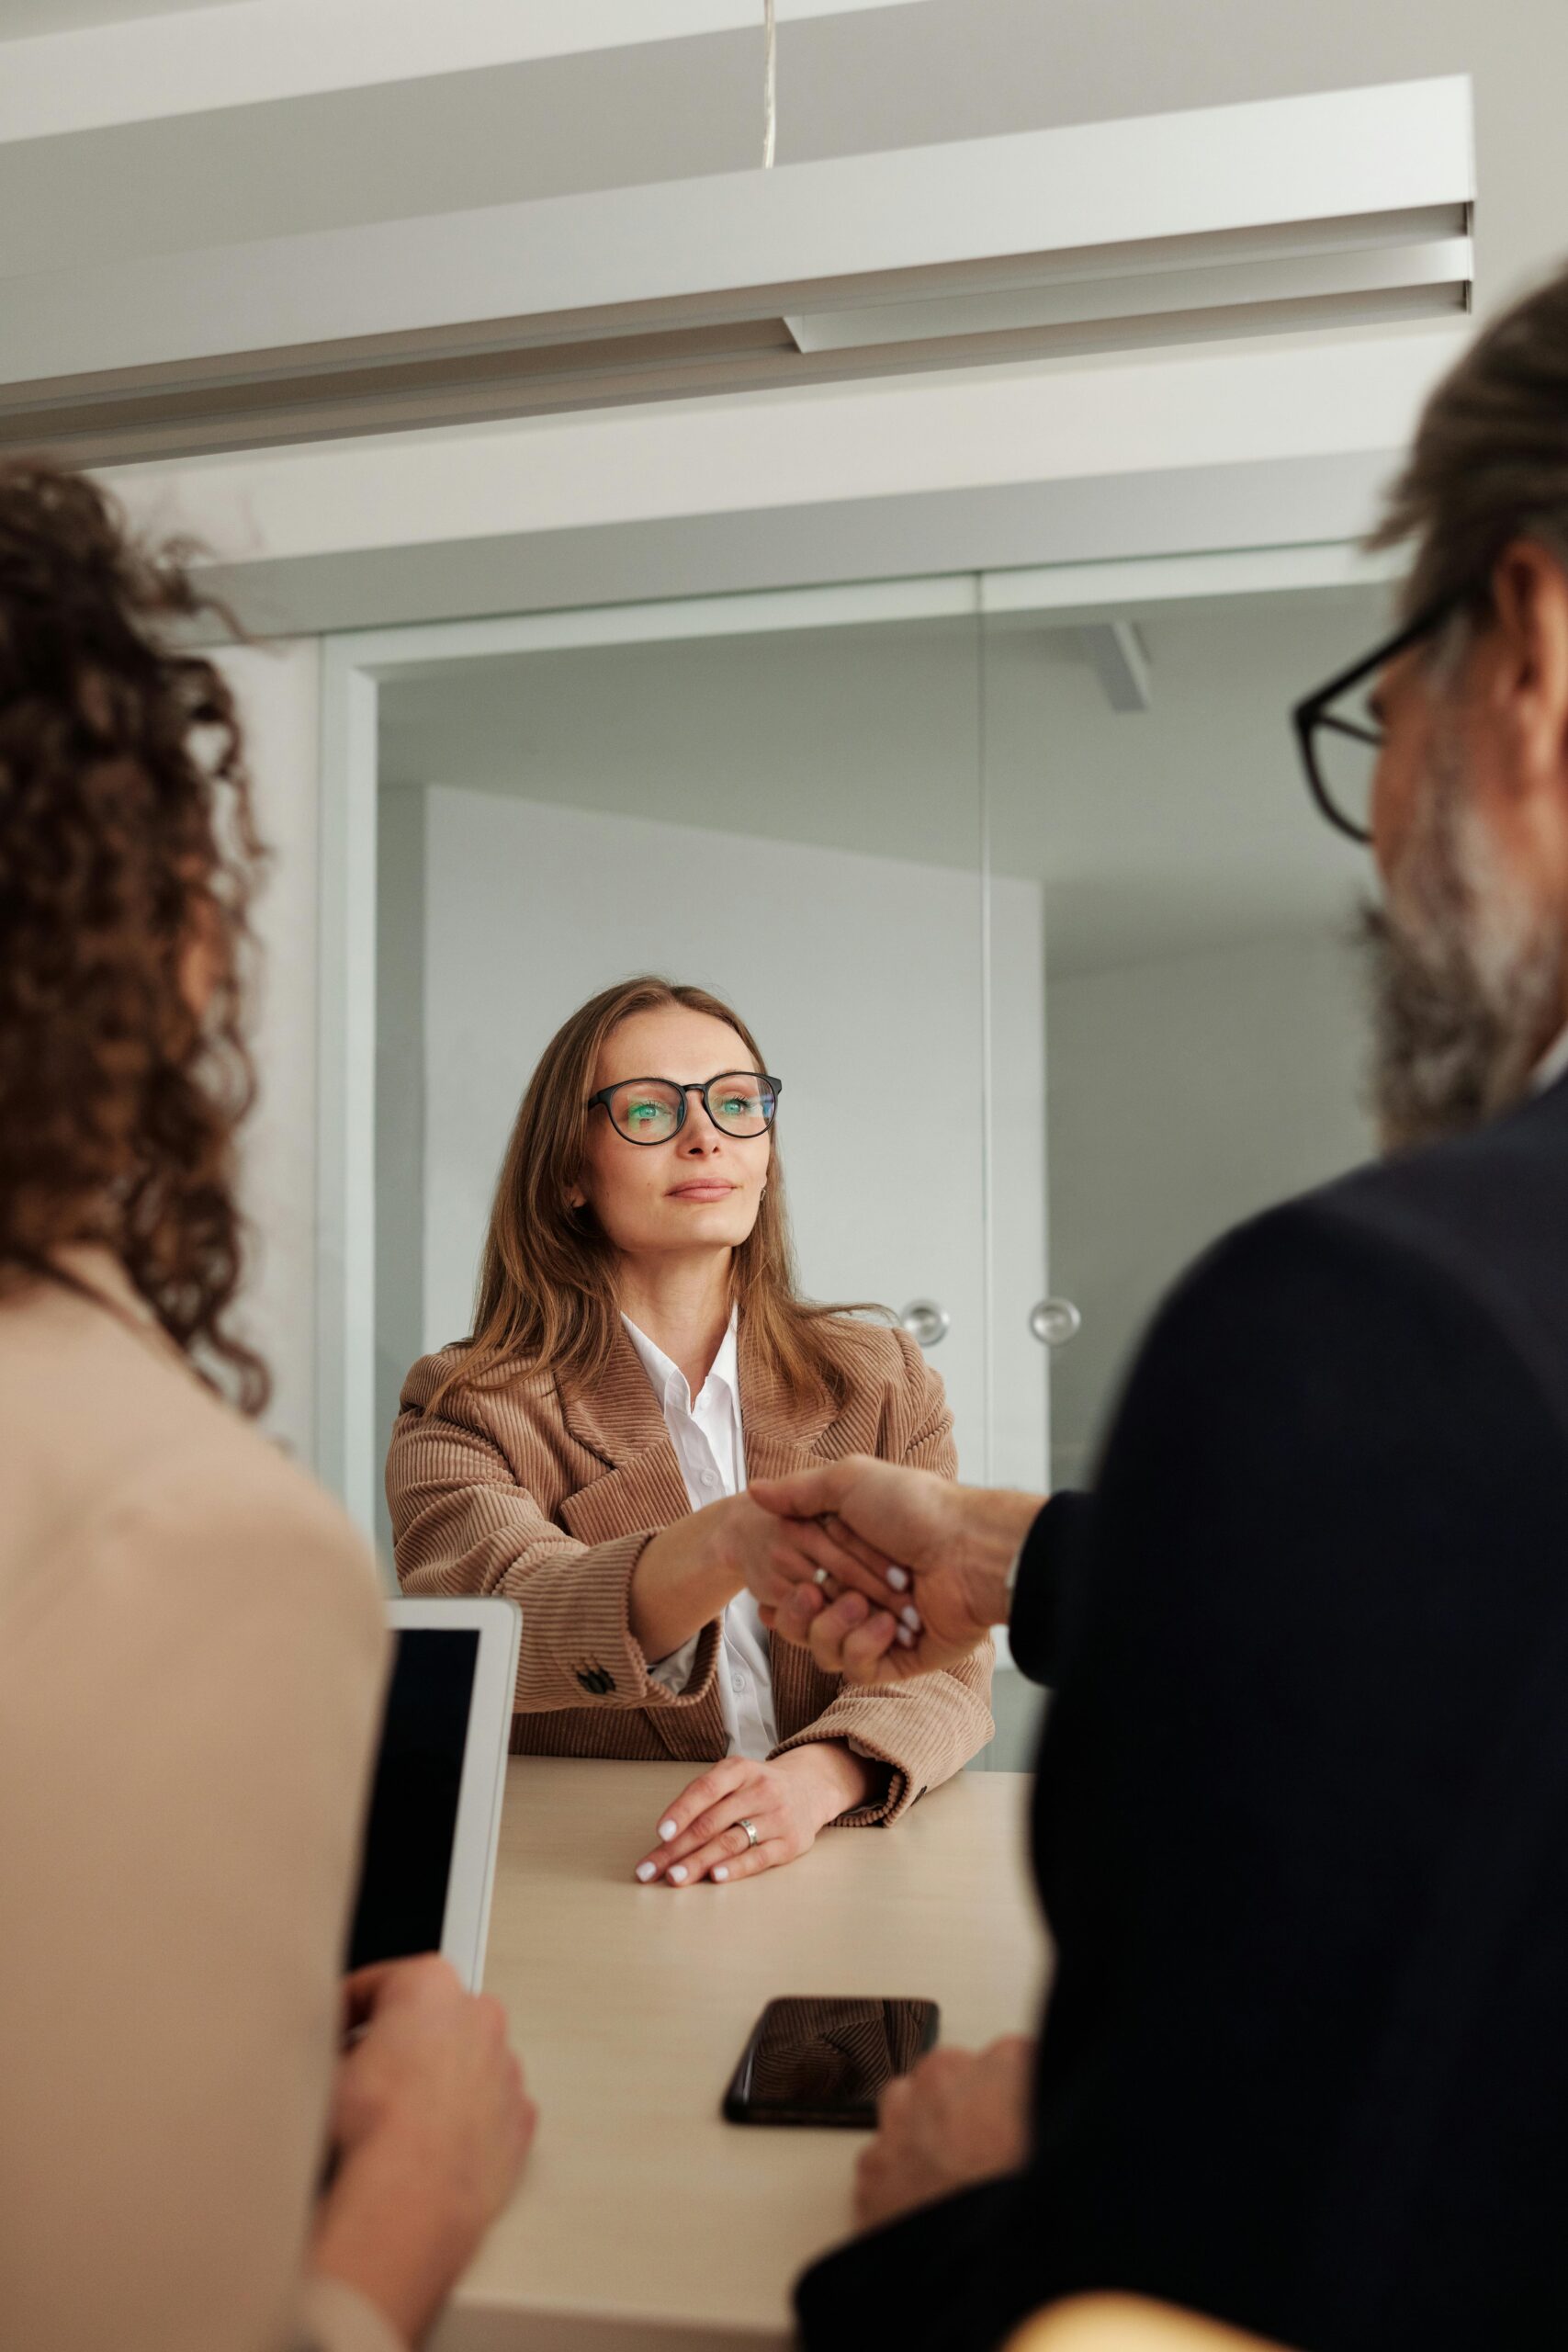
[823, 2061]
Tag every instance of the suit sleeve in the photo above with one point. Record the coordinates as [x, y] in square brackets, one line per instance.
[924, 1731]
[186, 1728]
[1325, 1538]
[1053, 1557]
[463, 1524]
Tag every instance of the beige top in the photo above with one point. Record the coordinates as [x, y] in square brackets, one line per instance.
[512, 1485]
[191, 1655]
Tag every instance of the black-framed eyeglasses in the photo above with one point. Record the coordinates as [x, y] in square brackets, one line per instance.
[652, 1110]
[1342, 739]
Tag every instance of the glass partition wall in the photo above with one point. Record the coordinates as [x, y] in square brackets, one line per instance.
[1029, 908]
[790, 818]
[1203, 1017]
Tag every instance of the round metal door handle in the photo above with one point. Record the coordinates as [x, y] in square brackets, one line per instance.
[1054, 1321]
[926, 1322]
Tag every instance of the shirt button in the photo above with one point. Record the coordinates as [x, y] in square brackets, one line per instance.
[710, 1477]
[738, 1684]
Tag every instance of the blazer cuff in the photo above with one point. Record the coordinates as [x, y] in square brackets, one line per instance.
[578, 1648]
[886, 1806]
[335, 2317]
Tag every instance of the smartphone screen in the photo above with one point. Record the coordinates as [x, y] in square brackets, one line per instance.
[823, 2061]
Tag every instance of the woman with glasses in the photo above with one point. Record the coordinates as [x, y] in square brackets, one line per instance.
[639, 1351]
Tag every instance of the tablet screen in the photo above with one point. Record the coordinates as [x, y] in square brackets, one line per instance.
[413, 1803]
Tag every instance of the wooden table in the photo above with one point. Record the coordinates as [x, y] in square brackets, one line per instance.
[645, 2222]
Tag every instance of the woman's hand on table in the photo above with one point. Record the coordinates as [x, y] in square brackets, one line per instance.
[961, 2117]
[788, 1800]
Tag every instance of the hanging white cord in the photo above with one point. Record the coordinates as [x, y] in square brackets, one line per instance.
[770, 84]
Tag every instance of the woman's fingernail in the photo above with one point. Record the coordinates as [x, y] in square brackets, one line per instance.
[667, 1830]
[905, 1638]
[912, 1618]
[678, 1873]
[645, 1871]
[898, 1578]
[721, 1872]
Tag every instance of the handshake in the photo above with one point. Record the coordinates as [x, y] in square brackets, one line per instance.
[883, 1572]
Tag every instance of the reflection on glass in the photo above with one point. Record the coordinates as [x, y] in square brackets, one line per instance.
[1203, 1036]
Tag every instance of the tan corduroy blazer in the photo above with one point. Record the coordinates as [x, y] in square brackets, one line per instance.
[512, 1487]
[191, 1656]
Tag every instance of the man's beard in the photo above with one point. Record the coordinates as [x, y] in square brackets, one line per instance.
[1467, 975]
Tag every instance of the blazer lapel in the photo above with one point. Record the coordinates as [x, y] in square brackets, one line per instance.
[622, 1418]
[622, 1423]
[780, 1434]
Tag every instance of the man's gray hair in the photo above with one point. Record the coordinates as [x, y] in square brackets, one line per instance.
[1490, 460]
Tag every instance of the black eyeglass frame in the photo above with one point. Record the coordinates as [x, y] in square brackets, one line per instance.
[651, 1143]
[1314, 713]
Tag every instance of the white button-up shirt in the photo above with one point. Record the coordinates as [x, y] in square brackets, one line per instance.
[711, 1451]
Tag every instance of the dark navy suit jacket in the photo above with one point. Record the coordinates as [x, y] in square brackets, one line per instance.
[1300, 1824]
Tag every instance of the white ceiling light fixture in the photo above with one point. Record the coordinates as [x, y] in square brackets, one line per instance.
[1351, 208]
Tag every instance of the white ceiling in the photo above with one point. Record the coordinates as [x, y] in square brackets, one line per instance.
[890, 76]
[21, 18]
[1156, 834]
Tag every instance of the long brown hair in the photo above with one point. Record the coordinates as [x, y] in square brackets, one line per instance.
[126, 847]
[547, 1291]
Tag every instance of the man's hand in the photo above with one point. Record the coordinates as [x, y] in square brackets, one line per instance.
[916, 1566]
[960, 2118]
[789, 1799]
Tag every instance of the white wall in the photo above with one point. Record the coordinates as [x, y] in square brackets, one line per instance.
[278, 686]
[852, 969]
[1185, 1094]
[400, 1110]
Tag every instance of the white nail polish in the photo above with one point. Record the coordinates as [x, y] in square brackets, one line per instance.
[721, 1872]
[905, 1638]
[645, 1871]
[667, 1830]
[678, 1873]
[912, 1618]
[898, 1578]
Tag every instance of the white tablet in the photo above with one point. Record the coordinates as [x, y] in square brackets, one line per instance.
[435, 1819]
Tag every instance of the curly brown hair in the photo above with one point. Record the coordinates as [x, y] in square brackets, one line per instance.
[127, 855]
